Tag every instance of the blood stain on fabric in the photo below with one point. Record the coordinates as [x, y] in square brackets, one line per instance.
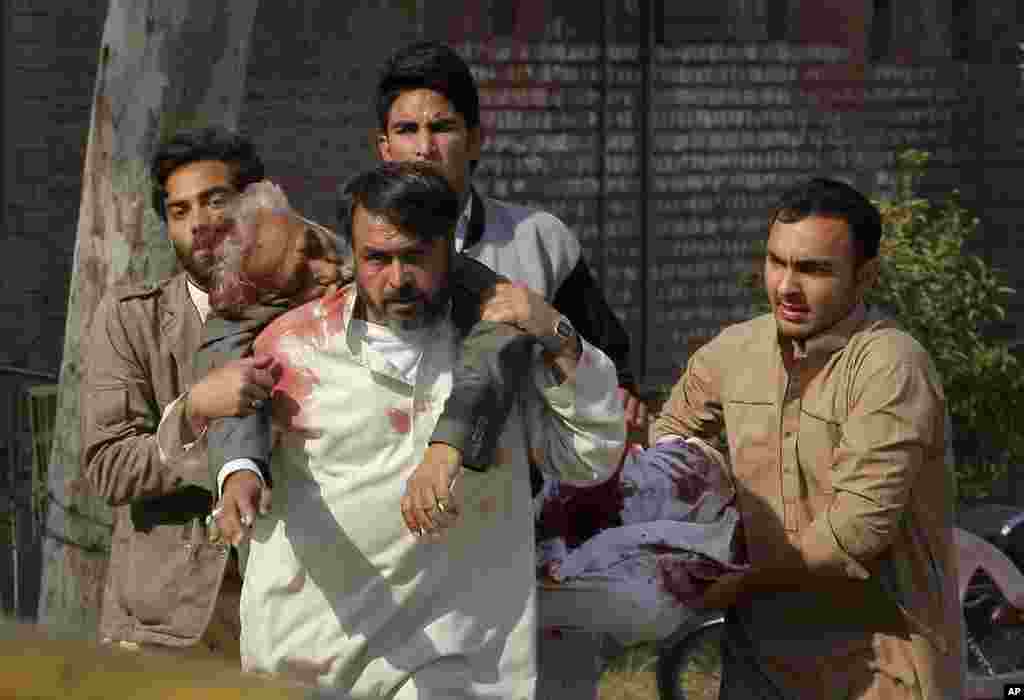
[400, 421]
[309, 324]
[307, 670]
[297, 583]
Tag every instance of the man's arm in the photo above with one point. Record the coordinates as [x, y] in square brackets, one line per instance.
[694, 408]
[885, 441]
[584, 304]
[892, 424]
[578, 384]
[487, 375]
[121, 457]
[579, 433]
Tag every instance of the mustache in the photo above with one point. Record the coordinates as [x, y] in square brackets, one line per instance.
[404, 296]
[207, 237]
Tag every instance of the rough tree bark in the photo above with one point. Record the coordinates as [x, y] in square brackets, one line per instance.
[163, 66]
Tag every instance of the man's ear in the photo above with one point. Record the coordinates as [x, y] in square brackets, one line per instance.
[475, 144]
[867, 275]
[383, 146]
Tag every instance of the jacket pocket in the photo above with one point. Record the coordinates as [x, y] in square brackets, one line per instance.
[173, 577]
[107, 409]
[753, 440]
[816, 450]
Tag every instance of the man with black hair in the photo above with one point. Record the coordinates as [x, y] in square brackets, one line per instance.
[167, 586]
[338, 590]
[835, 418]
[269, 260]
[428, 109]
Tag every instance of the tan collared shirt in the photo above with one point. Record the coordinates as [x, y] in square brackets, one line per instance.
[839, 464]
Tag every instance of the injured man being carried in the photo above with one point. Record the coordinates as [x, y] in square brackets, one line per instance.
[643, 545]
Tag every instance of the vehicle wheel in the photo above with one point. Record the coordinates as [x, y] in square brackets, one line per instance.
[992, 649]
[692, 668]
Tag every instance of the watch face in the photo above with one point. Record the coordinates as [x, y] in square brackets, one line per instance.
[564, 329]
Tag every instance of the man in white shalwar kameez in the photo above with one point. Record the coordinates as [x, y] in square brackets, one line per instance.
[363, 579]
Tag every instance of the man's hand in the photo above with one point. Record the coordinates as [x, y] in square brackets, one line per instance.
[239, 388]
[244, 498]
[723, 593]
[432, 494]
[520, 306]
[636, 411]
[516, 304]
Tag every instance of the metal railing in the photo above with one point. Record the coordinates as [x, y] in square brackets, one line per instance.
[27, 415]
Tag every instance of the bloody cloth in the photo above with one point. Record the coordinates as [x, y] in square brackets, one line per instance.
[656, 533]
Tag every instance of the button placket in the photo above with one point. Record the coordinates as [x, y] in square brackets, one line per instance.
[790, 429]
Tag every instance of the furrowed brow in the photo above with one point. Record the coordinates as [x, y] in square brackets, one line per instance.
[201, 195]
[815, 264]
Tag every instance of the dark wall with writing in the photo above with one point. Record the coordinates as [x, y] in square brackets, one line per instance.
[662, 141]
[665, 154]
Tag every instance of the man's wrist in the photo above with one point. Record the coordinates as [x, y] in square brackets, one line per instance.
[562, 339]
[572, 350]
[235, 466]
[196, 425]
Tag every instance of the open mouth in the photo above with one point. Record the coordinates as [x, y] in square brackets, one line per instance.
[792, 312]
[404, 305]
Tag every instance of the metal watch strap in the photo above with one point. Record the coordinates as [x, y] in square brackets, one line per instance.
[562, 332]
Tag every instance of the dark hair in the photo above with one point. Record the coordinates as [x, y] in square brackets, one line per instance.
[824, 197]
[434, 66]
[410, 195]
[209, 143]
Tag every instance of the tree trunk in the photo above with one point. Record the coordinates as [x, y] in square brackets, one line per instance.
[163, 66]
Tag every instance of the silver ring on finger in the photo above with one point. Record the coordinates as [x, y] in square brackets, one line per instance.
[256, 404]
[212, 528]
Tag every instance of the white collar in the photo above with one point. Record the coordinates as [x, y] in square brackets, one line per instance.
[200, 299]
[462, 226]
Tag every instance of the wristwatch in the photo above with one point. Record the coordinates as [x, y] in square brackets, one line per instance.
[560, 335]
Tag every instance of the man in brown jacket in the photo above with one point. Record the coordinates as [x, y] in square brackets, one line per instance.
[167, 585]
[835, 424]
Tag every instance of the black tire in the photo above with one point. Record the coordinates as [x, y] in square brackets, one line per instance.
[695, 660]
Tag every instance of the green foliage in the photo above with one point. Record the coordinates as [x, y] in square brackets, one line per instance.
[952, 301]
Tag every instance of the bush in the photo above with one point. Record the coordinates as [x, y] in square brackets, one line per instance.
[952, 302]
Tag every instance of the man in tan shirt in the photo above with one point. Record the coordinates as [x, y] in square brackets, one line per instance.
[835, 425]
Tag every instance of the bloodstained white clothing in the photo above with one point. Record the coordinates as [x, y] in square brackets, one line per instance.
[337, 591]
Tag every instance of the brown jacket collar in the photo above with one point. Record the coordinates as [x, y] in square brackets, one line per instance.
[180, 323]
[835, 338]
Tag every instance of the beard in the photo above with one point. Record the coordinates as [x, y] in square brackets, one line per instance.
[201, 259]
[432, 308]
[198, 264]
